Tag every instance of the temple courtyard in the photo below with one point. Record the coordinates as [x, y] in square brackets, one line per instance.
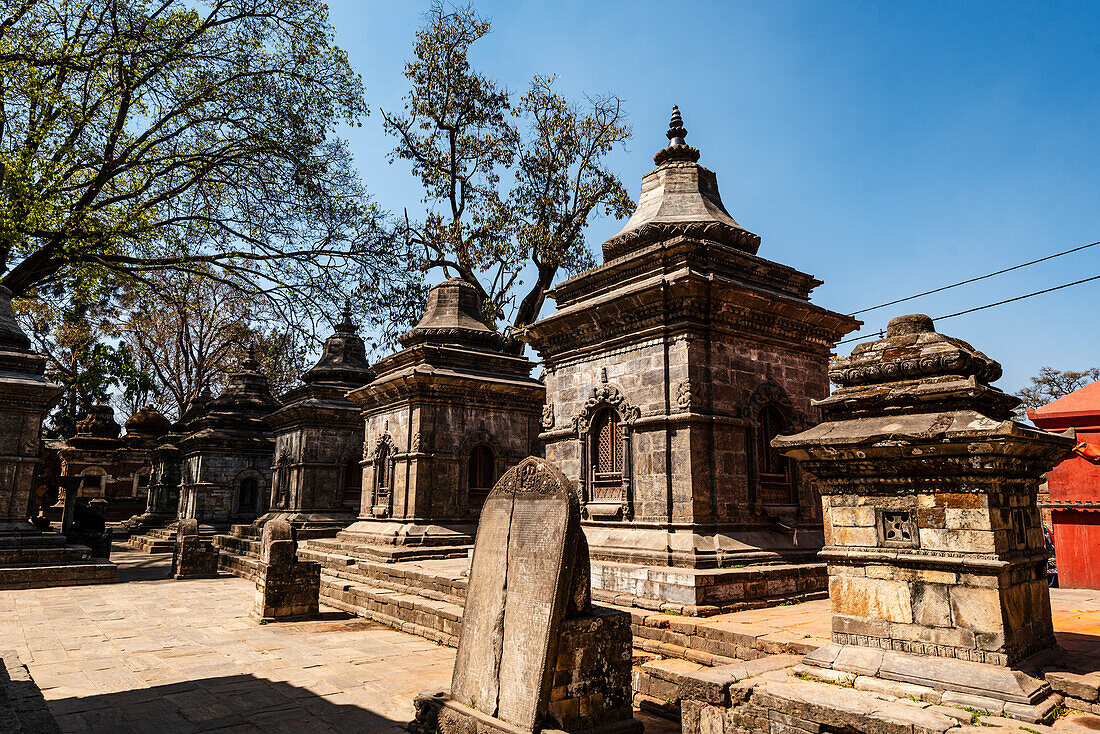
[150, 654]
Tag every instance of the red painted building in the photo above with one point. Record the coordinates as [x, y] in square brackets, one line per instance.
[1075, 488]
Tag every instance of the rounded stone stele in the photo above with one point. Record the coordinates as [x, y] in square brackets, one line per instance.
[914, 323]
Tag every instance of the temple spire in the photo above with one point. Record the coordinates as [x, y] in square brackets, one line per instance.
[346, 325]
[677, 149]
[250, 364]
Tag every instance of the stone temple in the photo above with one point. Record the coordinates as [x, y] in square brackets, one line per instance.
[317, 475]
[669, 369]
[444, 419]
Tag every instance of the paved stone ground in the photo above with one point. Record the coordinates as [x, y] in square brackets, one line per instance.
[180, 657]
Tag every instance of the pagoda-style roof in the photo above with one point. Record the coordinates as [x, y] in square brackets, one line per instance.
[451, 344]
[343, 358]
[240, 408]
[679, 197]
[98, 430]
[453, 316]
[343, 366]
[1080, 408]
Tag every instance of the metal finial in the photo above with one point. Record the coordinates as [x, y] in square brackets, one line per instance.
[676, 132]
[250, 364]
[677, 149]
[346, 324]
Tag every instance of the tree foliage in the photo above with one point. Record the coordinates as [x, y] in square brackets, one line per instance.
[79, 337]
[465, 136]
[142, 136]
[188, 333]
[1051, 384]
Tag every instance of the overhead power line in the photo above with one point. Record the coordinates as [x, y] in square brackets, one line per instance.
[990, 305]
[975, 280]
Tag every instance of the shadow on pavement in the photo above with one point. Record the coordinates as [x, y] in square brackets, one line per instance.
[237, 704]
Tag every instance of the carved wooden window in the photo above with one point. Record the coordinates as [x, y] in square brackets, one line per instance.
[607, 456]
[247, 495]
[353, 483]
[897, 528]
[774, 468]
[480, 474]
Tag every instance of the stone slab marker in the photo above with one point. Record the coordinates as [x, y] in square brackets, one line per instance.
[193, 558]
[533, 655]
[286, 588]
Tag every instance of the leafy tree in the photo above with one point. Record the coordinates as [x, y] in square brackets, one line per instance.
[139, 137]
[78, 337]
[457, 131]
[190, 332]
[1051, 384]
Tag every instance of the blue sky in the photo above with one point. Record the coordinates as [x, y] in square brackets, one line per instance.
[887, 148]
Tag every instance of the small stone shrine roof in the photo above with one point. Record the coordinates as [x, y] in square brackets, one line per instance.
[243, 403]
[97, 430]
[916, 369]
[679, 197]
[148, 423]
[453, 316]
[344, 357]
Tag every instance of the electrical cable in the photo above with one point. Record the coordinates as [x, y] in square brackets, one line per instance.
[975, 280]
[990, 305]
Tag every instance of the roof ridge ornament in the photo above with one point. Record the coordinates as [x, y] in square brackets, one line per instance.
[677, 149]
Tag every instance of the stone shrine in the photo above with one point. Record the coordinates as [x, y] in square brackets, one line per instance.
[937, 562]
[445, 417]
[227, 457]
[162, 503]
[30, 557]
[113, 468]
[669, 368]
[533, 654]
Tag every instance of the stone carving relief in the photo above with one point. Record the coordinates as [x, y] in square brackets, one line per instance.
[547, 416]
[605, 395]
[683, 395]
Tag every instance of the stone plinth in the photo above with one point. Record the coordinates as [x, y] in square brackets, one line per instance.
[193, 557]
[286, 588]
[533, 654]
[937, 561]
[28, 556]
[445, 418]
[668, 368]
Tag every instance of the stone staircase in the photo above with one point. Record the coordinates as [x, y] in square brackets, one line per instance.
[163, 540]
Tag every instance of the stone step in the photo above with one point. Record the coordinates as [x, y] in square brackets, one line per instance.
[38, 575]
[388, 553]
[239, 564]
[150, 544]
[400, 577]
[56, 555]
[239, 545]
[438, 621]
[666, 634]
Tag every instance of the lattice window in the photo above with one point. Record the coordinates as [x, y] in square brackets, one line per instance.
[774, 467]
[898, 527]
[608, 447]
[480, 474]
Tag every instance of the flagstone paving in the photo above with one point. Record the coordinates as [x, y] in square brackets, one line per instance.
[181, 657]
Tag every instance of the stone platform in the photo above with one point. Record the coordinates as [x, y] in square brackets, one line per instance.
[36, 559]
